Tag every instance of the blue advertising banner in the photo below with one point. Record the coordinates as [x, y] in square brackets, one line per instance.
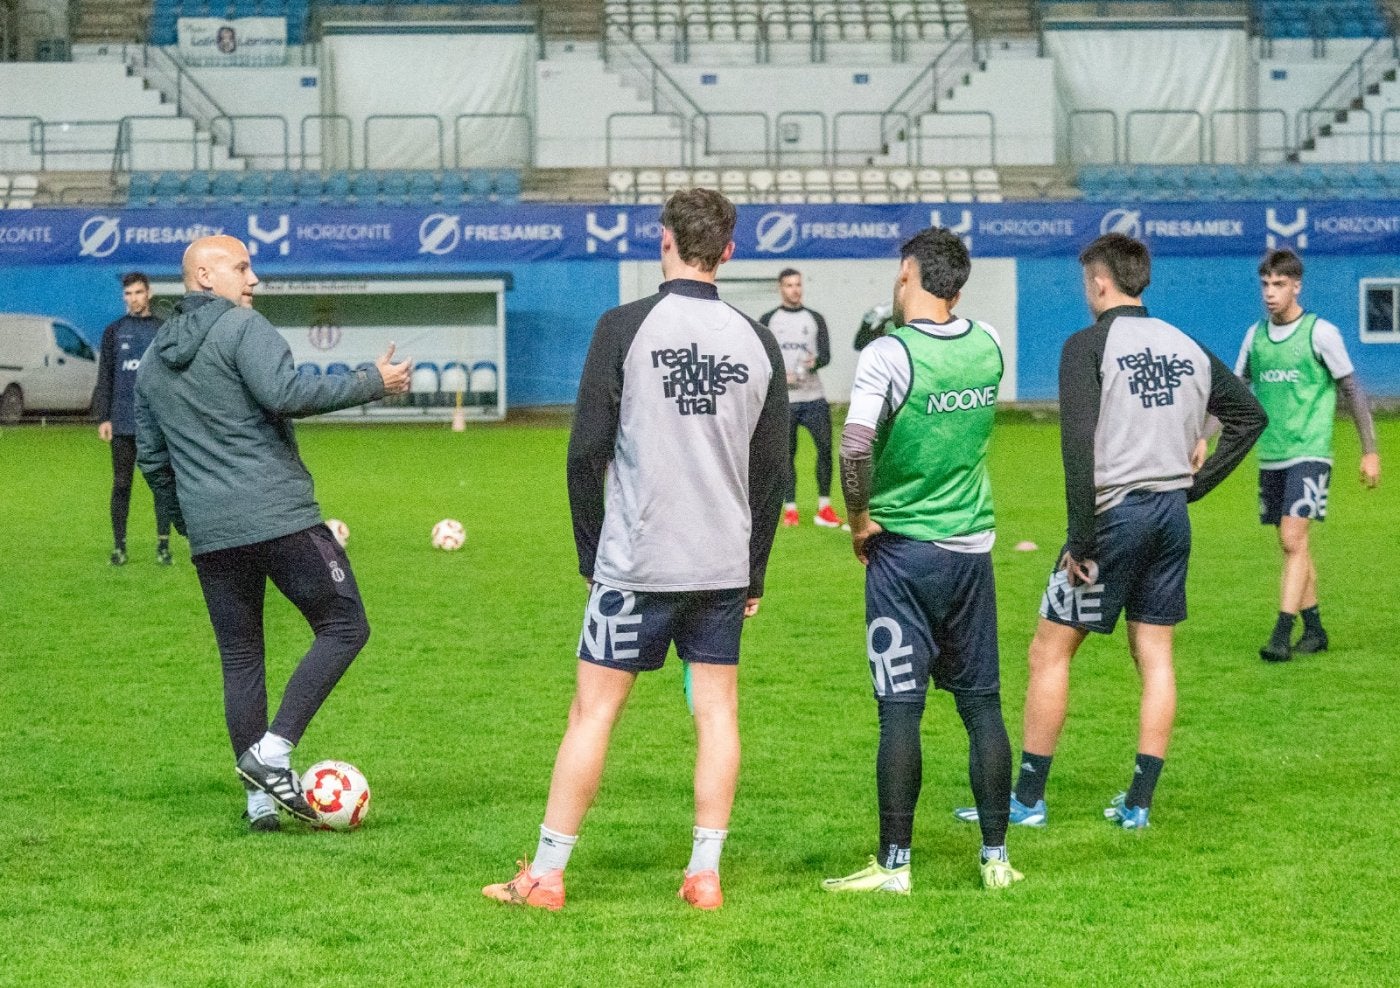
[292, 237]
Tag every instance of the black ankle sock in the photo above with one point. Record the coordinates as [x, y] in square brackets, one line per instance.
[1030, 782]
[1312, 621]
[1145, 774]
[1283, 630]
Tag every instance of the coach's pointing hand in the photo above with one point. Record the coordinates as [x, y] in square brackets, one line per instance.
[396, 376]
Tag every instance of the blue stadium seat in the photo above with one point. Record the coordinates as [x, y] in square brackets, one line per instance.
[393, 189]
[480, 185]
[253, 188]
[508, 186]
[169, 189]
[453, 188]
[364, 188]
[423, 188]
[197, 188]
[308, 188]
[336, 189]
[281, 188]
[338, 367]
[140, 188]
[224, 187]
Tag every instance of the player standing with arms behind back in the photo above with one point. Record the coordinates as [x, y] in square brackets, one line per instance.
[676, 462]
[802, 336]
[914, 473]
[1297, 363]
[1134, 395]
[214, 404]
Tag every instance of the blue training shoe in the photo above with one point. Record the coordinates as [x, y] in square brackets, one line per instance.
[1120, 814]
[1021, 814]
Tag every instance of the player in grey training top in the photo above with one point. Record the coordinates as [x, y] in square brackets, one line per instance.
[1134, 394]
[676, 459]
[801, 334]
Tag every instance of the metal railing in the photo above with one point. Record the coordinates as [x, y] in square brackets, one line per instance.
[1075, 145]
[1351, 86]
[1133, 115]
[679, 127]
[128, 142]
[790, 133]
[924, 91]
[254, 158]
[667, 96]
[713, 146]
[169, 75]
[960, 140]
[32, 141]
[328, 122]
[527, 142]
[1254, 149]
[866, 149]
[1304, 123]
[433, 118]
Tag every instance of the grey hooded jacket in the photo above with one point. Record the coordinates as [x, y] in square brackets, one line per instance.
[213, 435]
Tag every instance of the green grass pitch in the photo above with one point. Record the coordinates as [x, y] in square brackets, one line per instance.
[1271, 858]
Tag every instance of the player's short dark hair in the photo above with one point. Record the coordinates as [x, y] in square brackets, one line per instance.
[134, 278]
[944, 264]
[1126, 260]
[1281, 262]
[702, 222]
[788, 273]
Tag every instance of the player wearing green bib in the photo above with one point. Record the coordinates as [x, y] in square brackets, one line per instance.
[1297, 363]
[914, 473]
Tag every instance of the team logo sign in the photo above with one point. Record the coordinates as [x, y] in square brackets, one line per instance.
[599, 234]
[1125, 221]
[1154, 378]
[776, 232]
[438, 234]
[1294, 230]
[99, 237]
[277, 236]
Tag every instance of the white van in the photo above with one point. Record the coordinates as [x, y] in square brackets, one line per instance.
[45, 366]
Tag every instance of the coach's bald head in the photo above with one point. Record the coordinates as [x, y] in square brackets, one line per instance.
[220, 265]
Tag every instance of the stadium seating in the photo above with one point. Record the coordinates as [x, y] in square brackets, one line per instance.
[782, 20]
[649, 186]
[1321, 18]
[1187, 183]
[18, 192]
[309, 188]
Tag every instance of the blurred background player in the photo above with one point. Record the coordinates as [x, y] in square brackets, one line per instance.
[914, 473]
[124, 342]
[877, 321]
[1297, 363]
[1134, 395]
[801, 333]
[214, 405]
[702, 466]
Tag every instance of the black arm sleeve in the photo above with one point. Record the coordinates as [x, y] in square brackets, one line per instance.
[1081, 390]
[857, 466]
[823, 343]
[768, 465]
[1242, 419]
[1350, 389]
[106, 370]
[594, 433]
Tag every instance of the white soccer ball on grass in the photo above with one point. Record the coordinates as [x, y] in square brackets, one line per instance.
[449, 535]
[338, 792]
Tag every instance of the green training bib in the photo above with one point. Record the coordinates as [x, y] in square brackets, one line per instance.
[1297, 392]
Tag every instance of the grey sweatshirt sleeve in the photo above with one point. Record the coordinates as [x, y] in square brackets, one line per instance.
[768, 465]
[153, 459]
[1355, 397]
[264, 362]
[1242, 420]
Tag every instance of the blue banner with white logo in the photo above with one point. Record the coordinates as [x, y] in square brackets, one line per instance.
[294, 237]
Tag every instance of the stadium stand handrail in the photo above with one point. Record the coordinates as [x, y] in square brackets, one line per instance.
[1365, 70]
[232, 119]
[883, 143]
[959, 55]
[529, 132]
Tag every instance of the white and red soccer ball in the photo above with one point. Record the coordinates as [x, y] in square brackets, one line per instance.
[449, 535]
[339, 529]
[338, 792]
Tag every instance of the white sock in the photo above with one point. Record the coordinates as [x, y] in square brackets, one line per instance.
[274, 750]
[823, 502]
[552, 852]
[994, 852]
[705, 850]
[789, 505]
[260, 804]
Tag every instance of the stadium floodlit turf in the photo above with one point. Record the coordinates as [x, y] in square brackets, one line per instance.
[1270, 860]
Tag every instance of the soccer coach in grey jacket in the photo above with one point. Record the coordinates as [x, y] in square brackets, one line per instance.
[215, 443]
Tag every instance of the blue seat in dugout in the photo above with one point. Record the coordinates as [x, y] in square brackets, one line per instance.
[338, 367]
[483, 382]
[309, 369]
[423, 383]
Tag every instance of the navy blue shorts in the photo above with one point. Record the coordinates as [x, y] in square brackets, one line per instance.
[1143, 546]
[1297, 491]
[633, 630]
[930, 614]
